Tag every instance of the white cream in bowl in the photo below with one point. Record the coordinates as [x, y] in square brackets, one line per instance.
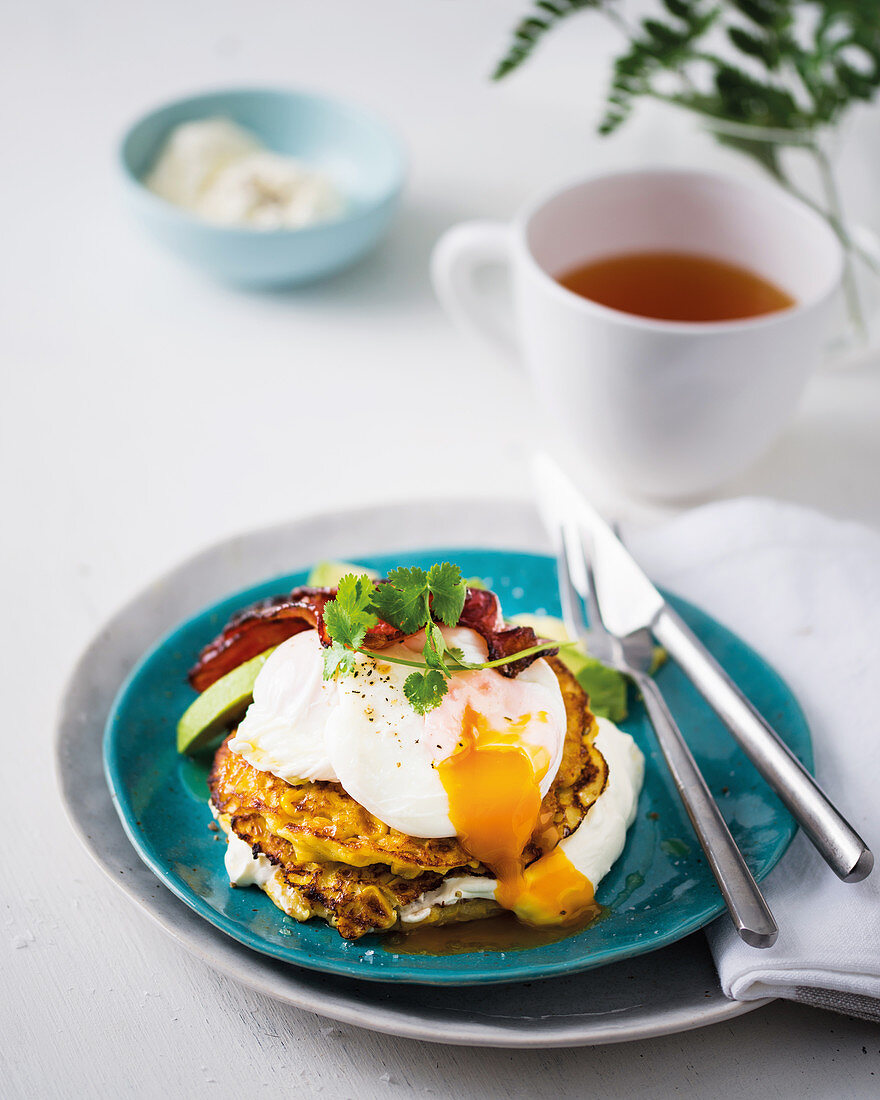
[220, 172]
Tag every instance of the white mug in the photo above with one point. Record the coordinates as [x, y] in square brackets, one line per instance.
[666, 408]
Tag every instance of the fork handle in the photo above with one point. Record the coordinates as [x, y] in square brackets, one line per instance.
[745, 902]
[834, 838]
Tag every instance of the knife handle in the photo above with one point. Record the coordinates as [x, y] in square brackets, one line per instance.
[745, 902]
[834, 838]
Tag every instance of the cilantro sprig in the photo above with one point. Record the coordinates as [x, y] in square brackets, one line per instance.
[411, 600]
[347, 620]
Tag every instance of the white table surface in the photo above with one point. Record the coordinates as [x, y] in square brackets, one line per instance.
[147, 413]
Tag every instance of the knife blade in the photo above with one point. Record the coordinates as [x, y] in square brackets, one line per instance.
[630, 601]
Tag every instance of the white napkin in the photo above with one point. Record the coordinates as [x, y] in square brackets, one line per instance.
[804, 591]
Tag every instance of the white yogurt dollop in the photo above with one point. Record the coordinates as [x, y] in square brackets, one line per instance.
[219, 171]
[243, 867]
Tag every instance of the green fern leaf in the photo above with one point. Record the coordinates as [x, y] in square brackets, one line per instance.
[763, 13]
[764, 48]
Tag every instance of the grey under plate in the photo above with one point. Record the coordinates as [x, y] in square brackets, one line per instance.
[666, 991]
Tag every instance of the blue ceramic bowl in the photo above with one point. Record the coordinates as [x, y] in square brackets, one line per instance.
[355, 149]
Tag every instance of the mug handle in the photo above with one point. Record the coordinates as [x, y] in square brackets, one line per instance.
[456, 258]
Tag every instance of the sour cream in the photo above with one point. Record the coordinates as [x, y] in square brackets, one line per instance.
[243, 867]
[220, 172]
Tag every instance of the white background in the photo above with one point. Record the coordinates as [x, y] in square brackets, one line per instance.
[147, 413]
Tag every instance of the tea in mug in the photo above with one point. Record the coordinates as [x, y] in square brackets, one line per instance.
[675, 286]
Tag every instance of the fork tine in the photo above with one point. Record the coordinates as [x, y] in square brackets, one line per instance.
[591, 596]
[572, 610]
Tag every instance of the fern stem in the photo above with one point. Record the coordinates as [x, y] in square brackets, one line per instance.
[835, 219]
[618, 20]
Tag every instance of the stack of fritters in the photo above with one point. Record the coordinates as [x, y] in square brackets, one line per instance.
[335, 860]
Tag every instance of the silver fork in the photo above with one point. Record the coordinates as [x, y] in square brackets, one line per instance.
[633, 655]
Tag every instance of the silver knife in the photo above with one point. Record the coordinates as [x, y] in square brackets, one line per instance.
[637, 605]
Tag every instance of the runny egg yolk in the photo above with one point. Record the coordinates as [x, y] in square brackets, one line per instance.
[492, 781]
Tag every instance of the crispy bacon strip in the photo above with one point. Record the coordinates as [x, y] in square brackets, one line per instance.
[268, 623]
[514, 639]
[481, 612]
[264, 624]
[272, 621]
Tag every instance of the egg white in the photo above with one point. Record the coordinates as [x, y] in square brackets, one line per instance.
[283, 730]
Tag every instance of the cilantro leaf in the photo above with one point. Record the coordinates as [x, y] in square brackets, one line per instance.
[354, 593]
[338, 659]
[424, 690]
[349, 616]
[412, 600]
[448, 592]
[403, 600]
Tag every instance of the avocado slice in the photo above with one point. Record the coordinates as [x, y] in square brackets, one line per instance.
[220, 706]
[328, 574]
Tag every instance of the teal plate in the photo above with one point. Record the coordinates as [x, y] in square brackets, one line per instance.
[660, 889]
